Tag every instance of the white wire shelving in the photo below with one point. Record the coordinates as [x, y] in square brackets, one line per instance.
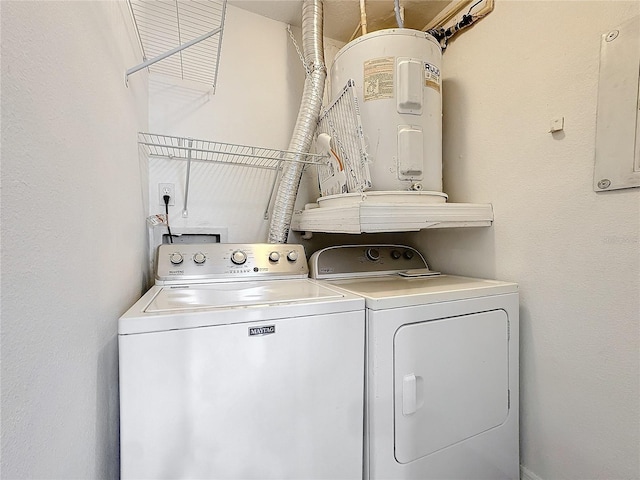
[186, 148]
[191, 149]
[180, 38]
[342, 122]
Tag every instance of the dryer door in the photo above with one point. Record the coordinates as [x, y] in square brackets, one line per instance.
[451, 381]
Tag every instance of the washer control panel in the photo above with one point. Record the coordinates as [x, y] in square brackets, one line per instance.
[209, 262]
[365, 260]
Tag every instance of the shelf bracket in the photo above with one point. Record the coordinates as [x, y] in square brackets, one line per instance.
[273, 188]
[173, 51]
[185, 211]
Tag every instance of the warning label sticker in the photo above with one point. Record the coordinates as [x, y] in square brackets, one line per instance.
[378, 78]
[432, 76]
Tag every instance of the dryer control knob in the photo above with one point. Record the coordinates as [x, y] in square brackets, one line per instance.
[395, 254]
[238, 257]
[274, 257]
[408, 254]
[199, 258]
[292, 256]
[176, 258]
[373, 254]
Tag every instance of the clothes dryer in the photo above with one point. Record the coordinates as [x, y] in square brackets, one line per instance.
[441, 368]
[236, 365]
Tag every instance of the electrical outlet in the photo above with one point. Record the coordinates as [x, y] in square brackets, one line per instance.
[167, 189]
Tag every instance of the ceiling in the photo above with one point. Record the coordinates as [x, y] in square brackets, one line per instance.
[342, 17]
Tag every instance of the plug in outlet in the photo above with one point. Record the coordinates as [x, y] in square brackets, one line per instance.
[167, 189]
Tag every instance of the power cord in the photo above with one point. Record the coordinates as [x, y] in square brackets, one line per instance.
[166, 199]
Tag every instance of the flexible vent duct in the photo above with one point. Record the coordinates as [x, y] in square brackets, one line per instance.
[399, 19]
[302, 137]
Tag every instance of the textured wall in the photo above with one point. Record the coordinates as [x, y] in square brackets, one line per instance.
[72, 232]
[574, 253]
[72, 255]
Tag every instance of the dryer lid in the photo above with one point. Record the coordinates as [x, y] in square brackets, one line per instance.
[394, 291]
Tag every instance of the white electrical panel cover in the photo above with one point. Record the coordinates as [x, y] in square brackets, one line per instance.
[617, 163]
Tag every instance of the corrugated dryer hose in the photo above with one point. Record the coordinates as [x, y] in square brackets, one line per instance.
[302, 137]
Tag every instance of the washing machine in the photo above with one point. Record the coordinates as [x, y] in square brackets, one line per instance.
[236, 365]
[441, 368]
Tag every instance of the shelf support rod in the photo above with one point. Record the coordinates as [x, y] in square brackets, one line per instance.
[171, 52]
[185, 212]
[273, 188]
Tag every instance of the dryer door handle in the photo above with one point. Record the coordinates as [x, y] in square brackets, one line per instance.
[412, 398]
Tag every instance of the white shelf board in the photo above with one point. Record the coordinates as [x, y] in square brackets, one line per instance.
[366, 217]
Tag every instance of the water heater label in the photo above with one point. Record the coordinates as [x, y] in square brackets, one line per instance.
[259, 331]
[378, 78]
[432, 76]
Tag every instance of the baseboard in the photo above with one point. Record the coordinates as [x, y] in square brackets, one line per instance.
[526, 474]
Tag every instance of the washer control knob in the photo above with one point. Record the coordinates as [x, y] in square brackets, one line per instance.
[373, 254]
[292, 256]
[176, 258]
[274, 257]
[199, 258]
[408, 254]
[395, 254]
[238, 257]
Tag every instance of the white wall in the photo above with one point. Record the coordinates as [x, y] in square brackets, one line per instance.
[73, 235]
[574, 253]
[256, 103]
[72, 255]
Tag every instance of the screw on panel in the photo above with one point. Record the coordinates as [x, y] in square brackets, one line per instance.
[612, 35]
[604, 183]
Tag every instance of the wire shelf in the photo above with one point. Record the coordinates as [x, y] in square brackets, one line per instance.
[223, 153]
[342, 122]
[183, 36]
[185, 148]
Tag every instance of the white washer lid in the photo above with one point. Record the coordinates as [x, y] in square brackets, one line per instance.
[237, 294]
[200, 305]
[394, 291]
